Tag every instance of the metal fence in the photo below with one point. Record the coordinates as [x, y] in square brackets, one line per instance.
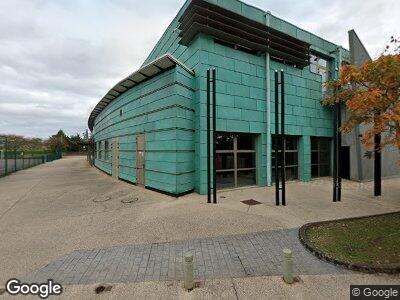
[12, 160]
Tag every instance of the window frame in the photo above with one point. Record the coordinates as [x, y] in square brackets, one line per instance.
[326, 69]
[235, 151]
[100, 151]
[292, 166]
[319, 150]
[106, 150]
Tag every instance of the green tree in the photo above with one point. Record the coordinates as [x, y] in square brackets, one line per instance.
[58, 142]
[371, 93]
[76, 143]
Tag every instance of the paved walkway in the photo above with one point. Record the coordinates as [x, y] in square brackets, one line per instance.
[49, 211]
[254, 254]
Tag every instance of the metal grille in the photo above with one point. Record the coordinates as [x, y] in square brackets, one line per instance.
[251, 202]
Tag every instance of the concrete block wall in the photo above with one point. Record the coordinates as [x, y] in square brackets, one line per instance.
[305, 116]
[240, 101]
[241, 90]
[241, 105]
[304, 113]
[241, 96]
[162, 109]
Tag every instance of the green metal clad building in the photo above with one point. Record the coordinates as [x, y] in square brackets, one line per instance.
[150, 129]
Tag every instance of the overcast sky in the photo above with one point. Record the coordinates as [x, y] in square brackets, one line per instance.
[58, 58]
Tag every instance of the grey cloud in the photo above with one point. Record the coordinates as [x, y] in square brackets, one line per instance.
[58, 58]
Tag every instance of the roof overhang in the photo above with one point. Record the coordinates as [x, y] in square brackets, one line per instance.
[146, 72]
[204, 17]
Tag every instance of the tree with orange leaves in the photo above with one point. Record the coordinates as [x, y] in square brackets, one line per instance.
[371, 95]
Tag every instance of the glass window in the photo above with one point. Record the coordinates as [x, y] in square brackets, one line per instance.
[246, 160]
[225, 141]
[100, 151]
[291, 157]
[314, 171]
[107, 150]
[245, 142]
[246, 177]
[320, 157]
[292, 173]
[225, 161]
[225, 179]
[236, 160]
[291, 143]
[320, 66]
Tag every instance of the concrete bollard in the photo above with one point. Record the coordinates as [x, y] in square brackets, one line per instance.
[188, 271]
[287, 266]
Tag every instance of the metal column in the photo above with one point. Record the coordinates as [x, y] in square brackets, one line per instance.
[214, 92]
[276, 144]
[339, 138]
[283, 141]
[279, 145]
[377, 166]
[268, 107]
[211, 78]
[208, 140]
[337, 144]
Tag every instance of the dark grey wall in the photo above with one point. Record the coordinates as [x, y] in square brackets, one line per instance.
[361, 167]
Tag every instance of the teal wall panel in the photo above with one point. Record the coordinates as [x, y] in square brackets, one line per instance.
[162, 109]
[171, 108]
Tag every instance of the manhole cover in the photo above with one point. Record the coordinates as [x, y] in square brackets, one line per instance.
[250, 202]
[102, 288]
[129, 199]
[102, 199]
[116, 194]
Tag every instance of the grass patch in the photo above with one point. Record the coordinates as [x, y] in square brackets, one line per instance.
[370, 241]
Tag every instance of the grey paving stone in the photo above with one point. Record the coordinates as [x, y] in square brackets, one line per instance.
[254, 254]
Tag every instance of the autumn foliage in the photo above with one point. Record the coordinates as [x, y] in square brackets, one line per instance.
[371, 95]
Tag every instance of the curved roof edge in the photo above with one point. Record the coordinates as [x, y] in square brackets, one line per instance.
[150, 70]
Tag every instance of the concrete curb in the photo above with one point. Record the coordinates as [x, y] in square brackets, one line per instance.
[395, 269]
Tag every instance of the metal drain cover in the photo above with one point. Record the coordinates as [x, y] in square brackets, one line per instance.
[102, 288]
[102, 199]
[250, 202]
[129, 199]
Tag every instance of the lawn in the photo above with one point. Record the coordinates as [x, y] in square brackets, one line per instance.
[373, 241]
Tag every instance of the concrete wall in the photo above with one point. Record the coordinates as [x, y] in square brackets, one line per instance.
[362, 167]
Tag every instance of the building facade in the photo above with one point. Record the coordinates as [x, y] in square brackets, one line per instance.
[150, 129]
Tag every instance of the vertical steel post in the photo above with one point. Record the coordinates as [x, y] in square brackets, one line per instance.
[208, 140]
[283, 141]
[335, 152]
[276, 148]
[377, 166]
[339, 155]
[214, 92]
[268, 106]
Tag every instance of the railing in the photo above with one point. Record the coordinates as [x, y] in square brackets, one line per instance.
[13, 161]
